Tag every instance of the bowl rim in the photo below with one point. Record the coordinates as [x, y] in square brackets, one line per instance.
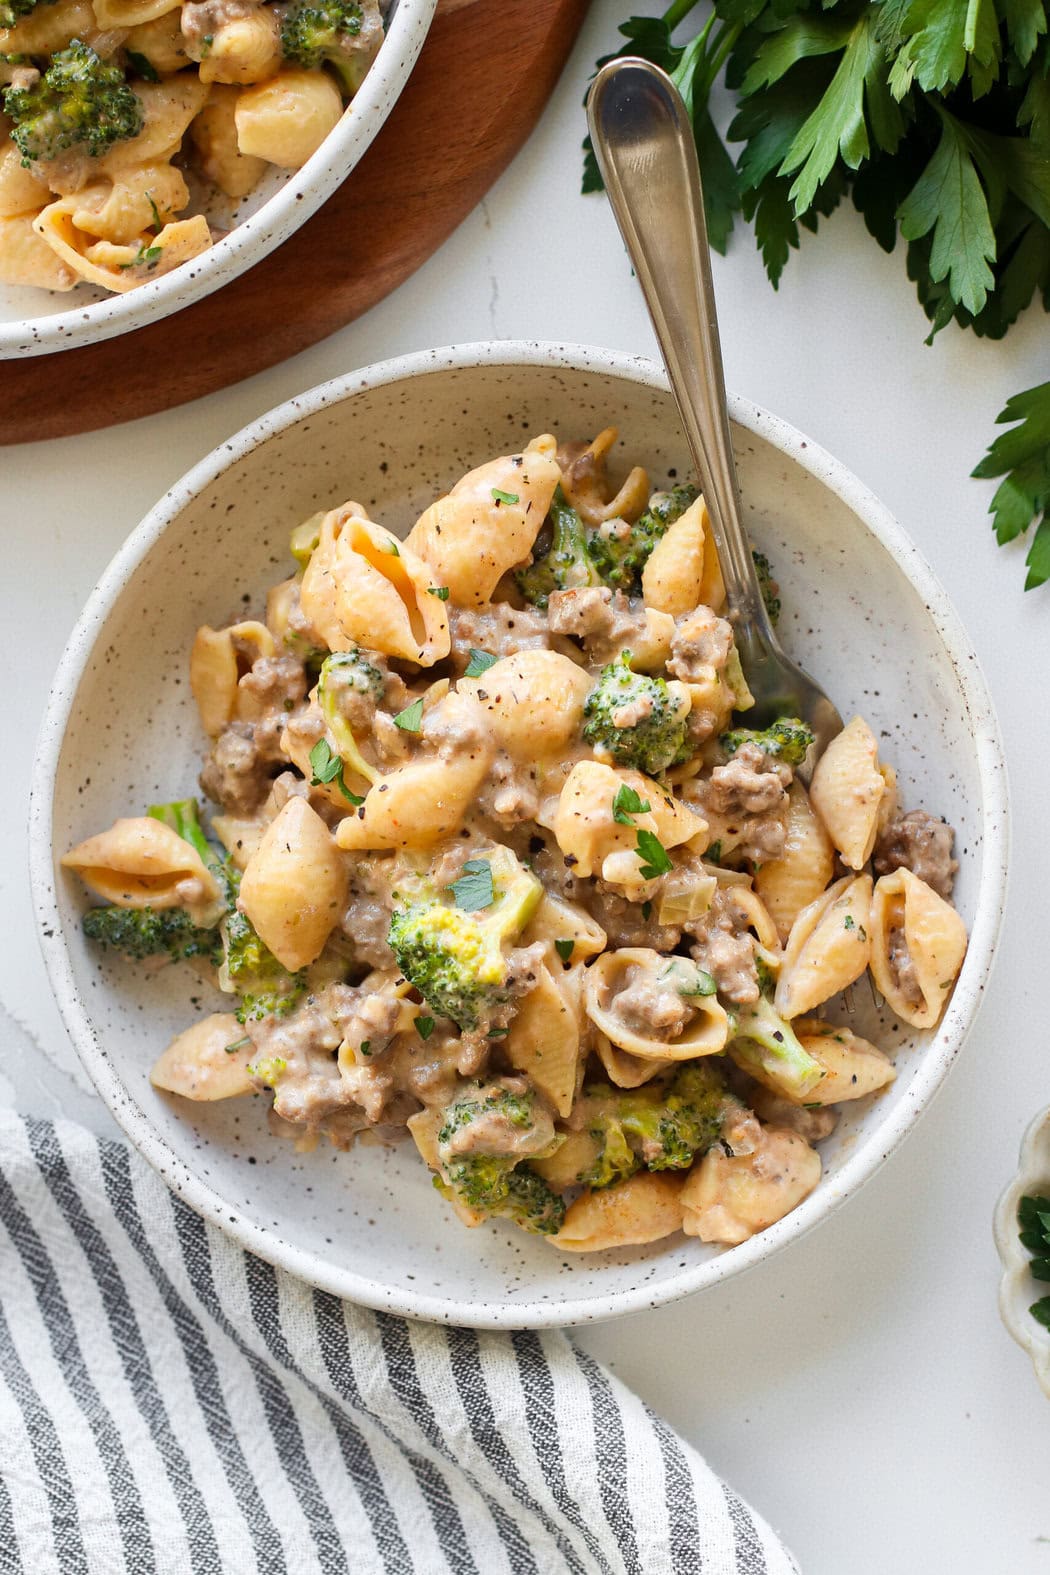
[252, 238]
[1015, 1286]
[858, 1168]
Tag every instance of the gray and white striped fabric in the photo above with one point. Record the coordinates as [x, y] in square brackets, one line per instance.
[170, 1404]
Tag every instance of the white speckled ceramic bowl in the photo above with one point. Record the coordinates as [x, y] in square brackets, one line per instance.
[860, 608]
[36, 322]
[1017, 1289]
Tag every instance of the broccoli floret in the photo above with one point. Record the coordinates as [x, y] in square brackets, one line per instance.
[450, 944]
[635, 719]
[80, 101]
[768, 586]
[171, 932]
[12, 11]
[490, 1186]
[341, 672]
[151, 932]
[659, 1126]
[787, 739]
[318, 35]
[498, 1183]
[766, 1045]
[249, 969]
[621, 555]
[561, 559]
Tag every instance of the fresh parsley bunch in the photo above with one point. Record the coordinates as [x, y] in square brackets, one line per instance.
[932, 117]
[1033, 1217]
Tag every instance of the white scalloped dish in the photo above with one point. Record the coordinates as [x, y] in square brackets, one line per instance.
[38, 322]
[1018, 1289]
[860, 608]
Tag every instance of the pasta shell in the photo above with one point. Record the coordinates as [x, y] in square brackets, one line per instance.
[623, 1068]
[118, 266]
[214, 137]
[574, 1157]
[588, 834]
[167, 109]
[285, 118]
[294, 888]
[487, 523]
[363, 587]
[415, 805]
[247, 49]
[214, 670]
[918, 943]
[674, 572]
[558, 920]
[130, 13]
[199, 1064]
[705, 1034]
[51, 27]
[829, 946]
[853, 1068]
[532, 702]
[790, 883]
[847, 790]
[727, 1198]
[142, 863]
[646, 1207]
[543, 1041]
[26, 258]
[22, 190]
[586, 486]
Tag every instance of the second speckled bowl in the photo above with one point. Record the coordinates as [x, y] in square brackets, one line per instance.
[862, 611]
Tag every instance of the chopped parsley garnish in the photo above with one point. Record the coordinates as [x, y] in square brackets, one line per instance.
[627, 803]
[142, 67]
[564, 949]
[409, 719]
[480, 662]
[366, 1047]
[440, 591]
[328, 767]
[474, 888]
[424, 1027]
[657, 860]
[505, 497]
[392, 548]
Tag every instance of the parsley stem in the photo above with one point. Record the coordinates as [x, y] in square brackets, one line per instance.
[678, 11]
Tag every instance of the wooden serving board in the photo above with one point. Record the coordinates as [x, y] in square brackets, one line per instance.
[486, 71]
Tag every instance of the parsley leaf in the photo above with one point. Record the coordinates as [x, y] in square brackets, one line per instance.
[424, 1027]
[440, 591]
[480, 662]
[328, 767]
[142, 67]
[1022, 457]
[505, 497]
[657, 860]
[628, 803]
[949, 200]
[474, 888]
[410, 718]
[565, 949]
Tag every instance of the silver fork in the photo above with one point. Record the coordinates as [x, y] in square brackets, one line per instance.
[647, 156]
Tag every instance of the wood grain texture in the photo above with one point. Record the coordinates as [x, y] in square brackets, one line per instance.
[482, 80]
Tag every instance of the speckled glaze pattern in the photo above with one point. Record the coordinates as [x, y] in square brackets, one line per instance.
[861, 609]
[1017, 1289]
[38, 322]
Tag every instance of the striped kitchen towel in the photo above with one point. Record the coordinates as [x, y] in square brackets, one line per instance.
[171, 1404]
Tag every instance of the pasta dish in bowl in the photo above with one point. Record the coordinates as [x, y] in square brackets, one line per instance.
[493, 863]
[141, 136]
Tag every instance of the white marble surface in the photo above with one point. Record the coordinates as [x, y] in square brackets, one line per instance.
[860, 1389]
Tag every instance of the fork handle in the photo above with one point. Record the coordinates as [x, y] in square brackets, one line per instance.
[647, 156]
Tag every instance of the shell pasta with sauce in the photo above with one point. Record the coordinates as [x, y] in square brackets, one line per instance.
[494, 861]
[125, 123]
